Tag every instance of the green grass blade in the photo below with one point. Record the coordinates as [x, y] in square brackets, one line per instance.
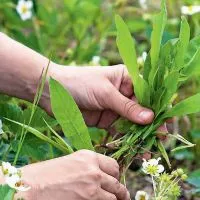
[59, 138]
[41, 136]
[163, 152]
[69, 116]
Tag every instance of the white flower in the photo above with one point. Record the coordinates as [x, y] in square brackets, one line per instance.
[8, 169]
[190, 10]
[1, 125]
[13, 177]
[16, 183]
[96, 60]
[24, 9]
[141, 195]
[143, 4]
[142, 58]
[152, 167]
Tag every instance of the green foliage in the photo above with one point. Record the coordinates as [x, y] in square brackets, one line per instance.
[162, 75]
[127, 51]
[159, 23]
[194, 179]
[6, 193]
[188, 106]
[69, 116]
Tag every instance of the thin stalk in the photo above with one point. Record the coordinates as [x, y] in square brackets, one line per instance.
[154, 187]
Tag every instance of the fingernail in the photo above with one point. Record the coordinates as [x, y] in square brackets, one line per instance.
[146, 116]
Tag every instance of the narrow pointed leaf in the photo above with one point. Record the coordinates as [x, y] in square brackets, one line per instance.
[193, 66]
[163, 152]
[41, 136]
[184, 39]
[189, 106]
[126, 46]
[159, 23]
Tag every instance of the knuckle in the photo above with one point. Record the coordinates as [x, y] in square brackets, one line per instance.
[92, 191]
[96, 175]
[86, 153]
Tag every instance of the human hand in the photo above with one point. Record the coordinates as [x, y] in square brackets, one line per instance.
[83, 175]
[102, 93]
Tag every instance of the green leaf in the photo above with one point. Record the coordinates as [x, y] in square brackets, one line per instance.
[184, 39]
[33, 148]
[185, 107]
[194, 178]
[192, 48]
[42, 136]
[126, 46]
[193, 66]
[69, 116]
[6, 193]
[163, 152]
[159, 23]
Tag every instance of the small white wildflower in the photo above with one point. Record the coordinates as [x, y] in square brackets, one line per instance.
[8, 169]
[142, 58]
[96, 60]
[143, 4]
[1, 126]
[141, 195]
[12, 177]
[24, 9]
[190, 10]
[16, 183]
[152, 167]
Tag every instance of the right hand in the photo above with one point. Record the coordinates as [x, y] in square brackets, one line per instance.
[83, 175]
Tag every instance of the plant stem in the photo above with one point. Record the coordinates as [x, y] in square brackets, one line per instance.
[154, 187]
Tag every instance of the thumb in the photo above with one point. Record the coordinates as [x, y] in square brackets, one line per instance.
[128, 108]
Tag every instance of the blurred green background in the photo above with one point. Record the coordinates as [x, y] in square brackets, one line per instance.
[82, 32]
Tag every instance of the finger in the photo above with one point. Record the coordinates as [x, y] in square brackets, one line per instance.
[108, 165]
[91, 117]
[107, 118]
[128, 108]
[162, 132]
[112, 185]
[104, 195]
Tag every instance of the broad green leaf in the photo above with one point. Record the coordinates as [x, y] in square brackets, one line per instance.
[126, 46]
[6, 192]
[159, 22]
[69, 116]
[185, 107]
[184, 39]
[163, 152]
